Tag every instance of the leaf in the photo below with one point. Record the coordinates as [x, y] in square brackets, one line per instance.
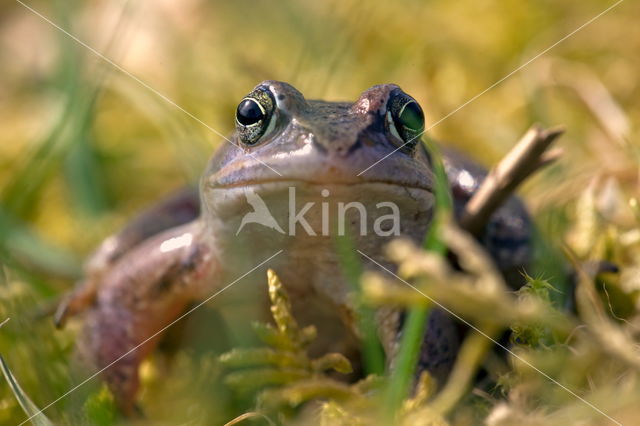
[307, 390]
[262, 356]
[247, 381]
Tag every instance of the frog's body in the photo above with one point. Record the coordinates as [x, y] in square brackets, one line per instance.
[185, 251]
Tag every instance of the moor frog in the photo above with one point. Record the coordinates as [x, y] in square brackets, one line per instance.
[195, 245]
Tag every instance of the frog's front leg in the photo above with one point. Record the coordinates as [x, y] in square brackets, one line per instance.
[140, 296]
[177, 209]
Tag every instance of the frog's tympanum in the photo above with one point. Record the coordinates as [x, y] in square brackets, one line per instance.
[289, 181]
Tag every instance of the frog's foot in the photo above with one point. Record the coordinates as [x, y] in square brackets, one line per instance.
[115, 342]
[110, 345]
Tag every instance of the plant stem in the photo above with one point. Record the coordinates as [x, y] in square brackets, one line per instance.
[372, 353]
[417, 317]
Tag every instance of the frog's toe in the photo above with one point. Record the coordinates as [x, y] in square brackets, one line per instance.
[61, 315]
[75, 302]
[64, 311]
[123, 382]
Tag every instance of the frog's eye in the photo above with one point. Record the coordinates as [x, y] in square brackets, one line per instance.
[249, 112]
[255, 117]
[405, 118]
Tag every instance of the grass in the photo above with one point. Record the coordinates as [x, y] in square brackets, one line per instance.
[373, 354]
[417, 317]
[83, 147]
[27, 405]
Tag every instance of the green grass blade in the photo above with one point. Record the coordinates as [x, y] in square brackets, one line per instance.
[19, 245]
[25, 402]
[83, 168]
[417, 317]
[372, 353]
[70, 137]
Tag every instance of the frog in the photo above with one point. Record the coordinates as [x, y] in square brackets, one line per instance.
[205, 244]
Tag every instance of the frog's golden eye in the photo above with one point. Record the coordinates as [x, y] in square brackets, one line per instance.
[255, 116]
[405, 118]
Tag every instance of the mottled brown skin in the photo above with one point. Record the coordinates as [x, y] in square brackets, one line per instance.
[186, 248]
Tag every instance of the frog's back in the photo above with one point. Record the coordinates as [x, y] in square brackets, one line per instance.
[508, 237]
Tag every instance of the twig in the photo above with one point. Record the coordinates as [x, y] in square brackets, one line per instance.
[529, 155]
[4, 322]
[252, 415]
[470, 356]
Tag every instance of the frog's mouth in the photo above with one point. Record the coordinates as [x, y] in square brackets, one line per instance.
[283, 196]
[233, 196]
[314, 168]
[276, 182]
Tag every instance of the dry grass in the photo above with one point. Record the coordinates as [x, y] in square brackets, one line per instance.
[74, 131]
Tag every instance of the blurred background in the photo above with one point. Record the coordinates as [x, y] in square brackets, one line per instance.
[84, 146]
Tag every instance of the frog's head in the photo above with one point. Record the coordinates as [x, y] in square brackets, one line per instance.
[367, 151]
[281, 136]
